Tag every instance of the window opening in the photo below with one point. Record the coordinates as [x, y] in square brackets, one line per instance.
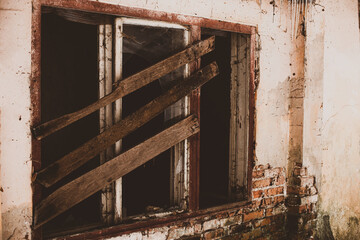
[224, 122]
[137, 45]
[101, 76]
[69, 62]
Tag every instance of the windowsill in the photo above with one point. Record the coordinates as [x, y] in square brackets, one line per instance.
[101, 232]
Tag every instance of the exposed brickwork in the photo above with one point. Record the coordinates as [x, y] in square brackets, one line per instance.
[263, 218]
[301, 203]
[267, 216]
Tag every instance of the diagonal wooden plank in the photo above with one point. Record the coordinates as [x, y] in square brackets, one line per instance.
[86, 185]
[67, 164]
[129, 85]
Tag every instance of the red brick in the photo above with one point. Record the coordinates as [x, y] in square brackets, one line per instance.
[257, 194]
[266, 202]
[262, 183]
[268, 212]
[305, 181]
[274, 191]
[280, 180]
[256, 203]
[214, 234]
[258, 174]
[253, 215]
[262, 222]
[274, 172]
[279, 199]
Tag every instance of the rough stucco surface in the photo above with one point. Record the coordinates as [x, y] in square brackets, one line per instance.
[340, 176]
[332, 111]
[15, 62]
[331, 138]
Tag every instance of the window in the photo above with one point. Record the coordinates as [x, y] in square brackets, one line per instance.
[100, 75]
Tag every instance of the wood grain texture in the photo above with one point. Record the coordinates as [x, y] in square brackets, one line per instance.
[93, 181]
[129, 85]
[70, 162]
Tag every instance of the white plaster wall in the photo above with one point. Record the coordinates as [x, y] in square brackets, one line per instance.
[272, 95]
[340, 196]
[15, 39]
[313, 101]
[15, 63]
[332, 112]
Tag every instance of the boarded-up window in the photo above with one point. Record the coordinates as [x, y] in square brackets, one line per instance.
[116, 119]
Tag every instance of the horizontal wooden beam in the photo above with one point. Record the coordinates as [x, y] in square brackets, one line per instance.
[70, 162]
[120, 10]
[129, 85]
[88, 184]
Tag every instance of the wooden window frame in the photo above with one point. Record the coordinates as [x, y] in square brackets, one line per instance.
[195, 24]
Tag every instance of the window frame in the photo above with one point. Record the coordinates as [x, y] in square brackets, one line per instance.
[195, 24]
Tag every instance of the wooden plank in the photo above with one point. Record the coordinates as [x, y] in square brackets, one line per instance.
[67, 164]
[91, 182]
[238, 141]
[194, 148]
[252, 117]
[120, 10]
[233, 115]
[129, 85]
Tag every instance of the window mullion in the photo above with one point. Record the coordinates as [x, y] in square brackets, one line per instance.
[118, 70]
[106, 114]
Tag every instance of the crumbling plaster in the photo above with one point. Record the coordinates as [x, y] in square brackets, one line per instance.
[271, 105]
[15, 64]
[331, 144]
[332, 111]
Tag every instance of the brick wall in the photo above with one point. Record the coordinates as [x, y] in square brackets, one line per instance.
[301, 203]
[277, 211]
[263, 218]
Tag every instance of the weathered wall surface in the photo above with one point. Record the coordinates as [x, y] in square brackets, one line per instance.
[15, 63]
[332, 108]
[263, 218]
[15, 53]
[331, 130]
[340, 129]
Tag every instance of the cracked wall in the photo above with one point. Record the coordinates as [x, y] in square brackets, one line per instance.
[332, 111]
[331, 139]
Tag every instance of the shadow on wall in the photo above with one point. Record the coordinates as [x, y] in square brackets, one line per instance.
[325, 232]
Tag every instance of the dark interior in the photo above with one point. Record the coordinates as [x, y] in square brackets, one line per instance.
[148, 186]
[215, 125]
[69, 82]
